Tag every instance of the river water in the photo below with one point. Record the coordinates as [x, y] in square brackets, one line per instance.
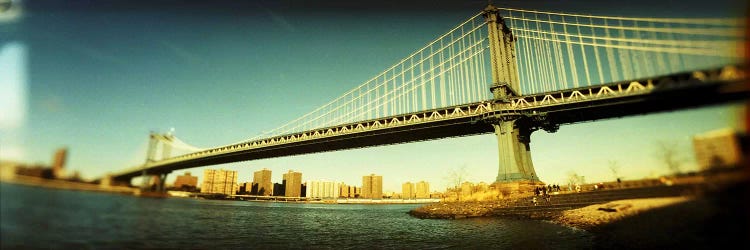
[35, 217]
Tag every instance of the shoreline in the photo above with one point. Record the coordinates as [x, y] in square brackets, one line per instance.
[590, 217]
[714, 218]
[338, 201]
[341, 203]
[66, 185]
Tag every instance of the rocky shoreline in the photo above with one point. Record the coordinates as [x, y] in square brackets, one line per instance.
[590, 217]
[457, 210]
[714, 219]
[582, 218]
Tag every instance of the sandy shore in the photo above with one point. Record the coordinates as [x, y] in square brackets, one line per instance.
[590, 217]
[710, 221]
[717, 217]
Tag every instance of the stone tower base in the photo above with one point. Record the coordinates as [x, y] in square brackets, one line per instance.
[517, 187]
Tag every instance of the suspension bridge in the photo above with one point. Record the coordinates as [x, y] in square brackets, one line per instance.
[509, 72]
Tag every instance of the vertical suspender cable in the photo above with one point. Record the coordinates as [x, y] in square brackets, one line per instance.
[571, 56]
[659, 55]
[612, 63]
[645, 59]
[432, 79]
[555, 52]
[562, 71]
[529, 59]
[583, 54]
[540, 56]
[546, 50]
[624, 56]
[460, 69]
[596, 52]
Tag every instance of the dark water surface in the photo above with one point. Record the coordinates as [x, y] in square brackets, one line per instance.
[58, 219]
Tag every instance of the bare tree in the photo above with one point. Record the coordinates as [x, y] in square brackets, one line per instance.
[668, 153]
[574, 179]
[456, 177]
[614, 166]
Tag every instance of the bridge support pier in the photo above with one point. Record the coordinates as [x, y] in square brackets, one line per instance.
[158, 182]
[154, 182]
[513, 138]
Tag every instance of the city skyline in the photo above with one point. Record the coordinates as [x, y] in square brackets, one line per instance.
[97, 95]
[221, 181]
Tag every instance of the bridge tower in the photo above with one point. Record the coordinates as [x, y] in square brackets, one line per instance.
[153, 142]
[156, 182]
[156, 141]
[513, 131]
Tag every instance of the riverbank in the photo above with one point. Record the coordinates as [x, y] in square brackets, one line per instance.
[716, 217]
[37, 218]
[282, 199]
[66, 185]
[593, 216]
[715, 220]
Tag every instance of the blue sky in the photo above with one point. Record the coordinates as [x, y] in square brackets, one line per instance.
[97, 78]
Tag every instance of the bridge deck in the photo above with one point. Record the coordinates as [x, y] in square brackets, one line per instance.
[658, 94]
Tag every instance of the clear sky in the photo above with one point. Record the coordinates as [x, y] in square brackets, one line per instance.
[97, 77]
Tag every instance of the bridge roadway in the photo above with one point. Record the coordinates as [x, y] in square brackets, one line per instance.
[543, 111]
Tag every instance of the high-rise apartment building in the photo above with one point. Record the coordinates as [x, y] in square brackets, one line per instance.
[219, 181]
[278, 189]
[377, 187]
[245, 188]
[717, 149]
[330, 190]
[322, 189]
[344, 190]
[292, 184]
[407, 191]
[186, 181]
[355, 192]
[372, 186]
[262, 183]
[58, 163]
[423, 190]
[313, 189]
